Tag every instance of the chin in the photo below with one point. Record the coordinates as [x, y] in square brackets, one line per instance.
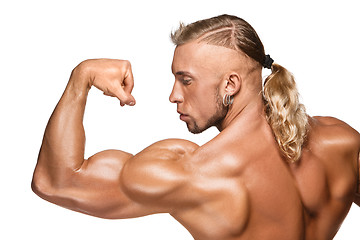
[214, 120]
[196, 129]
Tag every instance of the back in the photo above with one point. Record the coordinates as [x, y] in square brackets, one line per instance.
[326, 175]
[251, 192]
[247, 188]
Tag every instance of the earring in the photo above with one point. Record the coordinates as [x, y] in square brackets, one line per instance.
[228, 100]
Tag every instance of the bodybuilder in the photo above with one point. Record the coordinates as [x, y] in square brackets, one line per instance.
[272, 172]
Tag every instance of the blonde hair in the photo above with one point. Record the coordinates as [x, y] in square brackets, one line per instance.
[286, 116]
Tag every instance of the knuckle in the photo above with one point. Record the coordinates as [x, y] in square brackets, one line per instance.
[127, 63]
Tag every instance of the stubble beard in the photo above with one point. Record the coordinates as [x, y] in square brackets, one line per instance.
[215, 119]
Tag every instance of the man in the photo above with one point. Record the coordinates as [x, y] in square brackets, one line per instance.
[271, 173]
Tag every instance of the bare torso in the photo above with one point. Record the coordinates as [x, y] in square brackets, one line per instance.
[250, 192]
[235, 187]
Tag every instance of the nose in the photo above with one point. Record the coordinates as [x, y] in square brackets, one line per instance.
[176, 96]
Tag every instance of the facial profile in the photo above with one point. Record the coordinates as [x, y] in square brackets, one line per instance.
[200, 72]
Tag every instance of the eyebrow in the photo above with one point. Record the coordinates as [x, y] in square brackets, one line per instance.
[183, 73]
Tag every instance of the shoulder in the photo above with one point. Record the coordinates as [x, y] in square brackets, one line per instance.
[158, 170]
[169, 149]
[163, 152]
[333, 129]
[175, 145]
[333, 139]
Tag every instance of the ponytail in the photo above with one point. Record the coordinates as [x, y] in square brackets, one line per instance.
[285, 115]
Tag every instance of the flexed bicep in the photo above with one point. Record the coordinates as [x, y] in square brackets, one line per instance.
[114, 184]
[95, 188]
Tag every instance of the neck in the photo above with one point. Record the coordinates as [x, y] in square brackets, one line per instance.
[245, 109]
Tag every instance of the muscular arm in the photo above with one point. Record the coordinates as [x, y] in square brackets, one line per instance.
[110, 184]
[344, 142]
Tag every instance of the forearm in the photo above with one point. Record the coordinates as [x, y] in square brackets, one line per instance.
[62, 150]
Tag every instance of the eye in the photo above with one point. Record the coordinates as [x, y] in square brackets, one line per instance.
[186, 81]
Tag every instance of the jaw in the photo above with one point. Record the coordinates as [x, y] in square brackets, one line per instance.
[215, 120]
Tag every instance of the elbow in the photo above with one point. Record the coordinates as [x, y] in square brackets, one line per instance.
[53, 187]
[36, 187]
[48, 182]
[42, 186]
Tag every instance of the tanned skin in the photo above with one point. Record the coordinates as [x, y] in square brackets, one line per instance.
[237, 186]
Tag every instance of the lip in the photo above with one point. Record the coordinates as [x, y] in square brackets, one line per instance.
[183, 116]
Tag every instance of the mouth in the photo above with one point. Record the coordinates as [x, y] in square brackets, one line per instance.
[183, 116]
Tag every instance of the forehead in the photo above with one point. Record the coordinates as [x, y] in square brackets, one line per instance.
[194, 57]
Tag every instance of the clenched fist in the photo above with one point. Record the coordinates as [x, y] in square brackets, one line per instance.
[112, 76]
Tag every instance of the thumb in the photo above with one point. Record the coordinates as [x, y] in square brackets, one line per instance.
[125, 98]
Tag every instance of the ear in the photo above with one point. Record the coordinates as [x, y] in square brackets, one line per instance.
[233, 84]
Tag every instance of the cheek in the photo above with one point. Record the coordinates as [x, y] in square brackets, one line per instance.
[205, 103]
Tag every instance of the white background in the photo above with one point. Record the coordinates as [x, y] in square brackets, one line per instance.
[42, 41]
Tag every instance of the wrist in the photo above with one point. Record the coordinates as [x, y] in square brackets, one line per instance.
[80, 79]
